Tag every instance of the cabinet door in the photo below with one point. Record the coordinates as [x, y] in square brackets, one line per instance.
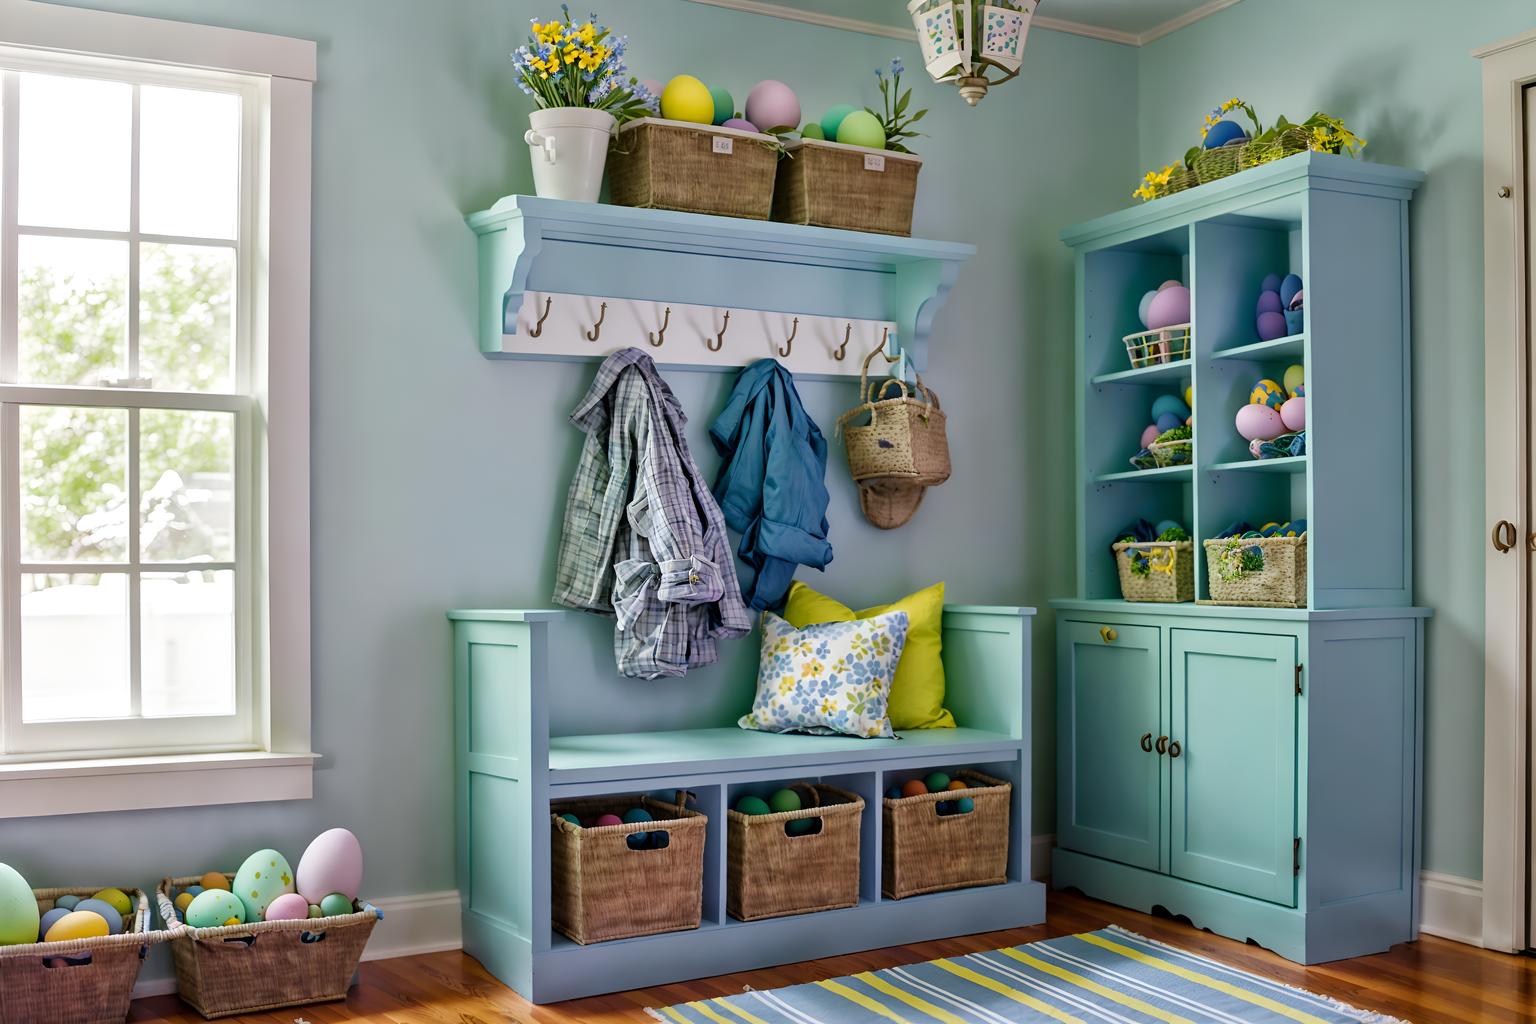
[1233, 812]
[1109, 791]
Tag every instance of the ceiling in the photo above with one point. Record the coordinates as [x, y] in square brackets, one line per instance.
[1126, 21]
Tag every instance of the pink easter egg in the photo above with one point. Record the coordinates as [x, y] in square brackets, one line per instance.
[739, 123]
[1168, 307]
[290, 906]
[609, 819]
[1294, 414]
[772, 104]
[333, 862]
[1149, 435]
[1271, 326]
[1259, 423]
[1170, 284]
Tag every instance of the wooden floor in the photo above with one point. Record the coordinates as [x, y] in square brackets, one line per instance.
[1432, 981]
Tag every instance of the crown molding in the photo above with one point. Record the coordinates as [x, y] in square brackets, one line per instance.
[872, 28]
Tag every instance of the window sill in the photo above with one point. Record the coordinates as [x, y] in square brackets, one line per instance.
[138, 783]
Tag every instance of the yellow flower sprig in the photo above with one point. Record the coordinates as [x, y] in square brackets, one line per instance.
[1155, 183]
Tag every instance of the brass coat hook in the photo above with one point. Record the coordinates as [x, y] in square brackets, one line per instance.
[538, 328]
[884, 337]
[789, 344]
[842, 350]
[597, 328]
[661, 335]
[719, 338]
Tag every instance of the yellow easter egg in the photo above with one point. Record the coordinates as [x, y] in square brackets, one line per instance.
[117, 900]
[687, 99]
[214, 880]
[77, 924]
[183, 902]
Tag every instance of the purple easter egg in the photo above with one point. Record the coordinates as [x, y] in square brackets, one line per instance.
[1271, 326]
[1149, 435]
[1269, 302]
[1271, 283]
[739, 123]
[1259, 423]
[772, 104]
[1168, 307]
[1294, 414]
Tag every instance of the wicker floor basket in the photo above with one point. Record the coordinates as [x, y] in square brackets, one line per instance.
[1170, 571]
[925, 852]
[696, 168]
[832, 185]
[84, 981]
[604, 890]
[265, 965]
[1274, 576]
[770, 873]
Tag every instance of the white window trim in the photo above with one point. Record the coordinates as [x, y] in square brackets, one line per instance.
[280, 252]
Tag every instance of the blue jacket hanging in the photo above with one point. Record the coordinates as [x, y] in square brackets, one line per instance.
[772, 483]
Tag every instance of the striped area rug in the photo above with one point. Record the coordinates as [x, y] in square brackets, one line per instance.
[1106, 977]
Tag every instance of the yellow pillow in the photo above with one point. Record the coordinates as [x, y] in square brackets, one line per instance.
[917, 695]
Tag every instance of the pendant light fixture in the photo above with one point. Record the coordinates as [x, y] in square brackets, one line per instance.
[963, 40]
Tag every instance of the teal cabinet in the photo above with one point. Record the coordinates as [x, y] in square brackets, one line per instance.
[1109, 715]
[1232, 762]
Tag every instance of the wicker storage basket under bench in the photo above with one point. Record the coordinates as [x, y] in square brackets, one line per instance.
[773, 873]
[83, 981]
[263, 965]
[928, 852]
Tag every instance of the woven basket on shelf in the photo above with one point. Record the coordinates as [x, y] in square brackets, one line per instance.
[925, 852]
[1293, 140]
[833, 185]
[1170, 575]
[1275, 575]
[1183, 179]
[1215, 164]
[771, 873]
[1160, 345]
[904, 438]
[83, 981]
[1172, 453]
[696, 168]
[263, 965]
[602, 889]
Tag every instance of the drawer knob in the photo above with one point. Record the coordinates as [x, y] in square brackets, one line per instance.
[1108, 635]
[1146, 742]
[1162, 744]
[1174, 750]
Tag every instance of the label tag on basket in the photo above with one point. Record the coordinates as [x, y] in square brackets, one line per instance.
[874, 162]
[724, 145]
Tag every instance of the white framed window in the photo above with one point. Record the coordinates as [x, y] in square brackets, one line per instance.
[154, 236]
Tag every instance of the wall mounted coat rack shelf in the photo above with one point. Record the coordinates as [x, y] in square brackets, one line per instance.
[642, 261]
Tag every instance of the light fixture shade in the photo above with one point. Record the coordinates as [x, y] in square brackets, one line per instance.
[962, 39]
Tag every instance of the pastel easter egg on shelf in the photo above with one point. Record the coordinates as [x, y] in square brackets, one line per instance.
[1259, 423]
[1169, 307]
[1271, 283]
[687, 99]
[335, 905]
[812, 130]
[290, 906]
[214, 880]
[50, 919]
[725, 106]
[567, 816]
[315, 911]
[861, 128]
[894, 793]
[1295, 380]
[606, 820]
[263, 877]
[772, 104]
[1149, 435]
[117, 899]
[19, 918]
[333, 862]
[936, 782]
[753, 805]
[106, 911]
[1143, 306]
[957, 784]
[76, 925]
[1224, 133]
[1168, 421]
[834, 118]
[1294, 414]
[212, 907]
[1269, 302]
[1169, 403]
[1289, 289]
[1271, 326]
[1267, 392]
[913, 787]
[1172, 282]
[784, 800]
[1189, 395]
[740, 124]
[67, 902]
[184, 901]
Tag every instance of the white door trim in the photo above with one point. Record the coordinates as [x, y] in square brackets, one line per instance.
[1507, 69]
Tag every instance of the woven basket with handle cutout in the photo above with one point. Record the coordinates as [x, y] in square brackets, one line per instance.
[925, 852]
[771, 873]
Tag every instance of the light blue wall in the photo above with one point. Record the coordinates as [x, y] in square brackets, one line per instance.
[1398, 71]
[440, 476]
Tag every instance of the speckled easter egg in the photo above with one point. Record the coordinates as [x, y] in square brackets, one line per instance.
[18, 909]
[1259, 423]
[333, 863]
[211, 908]
[263, 877]
[772, 104]
[290, 906]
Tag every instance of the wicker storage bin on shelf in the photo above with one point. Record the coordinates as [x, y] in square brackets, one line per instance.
[832, 185]
[1170, 570]
[1293, 140]
[927, 853]
[771, 873]
[1272, 575]
[604, 890]
[264, 965]
[1215, 164]
[83, 981]
[696, 168]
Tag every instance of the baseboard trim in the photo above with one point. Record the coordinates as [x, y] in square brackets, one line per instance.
[1040, 848]
[1451, 907]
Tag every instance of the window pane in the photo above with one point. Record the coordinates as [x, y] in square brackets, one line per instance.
[74, 647]
[74, 489]
[188, 621]
[75, 152]
[186, 478]
[189, 162]
[186, 316]
[72, 309]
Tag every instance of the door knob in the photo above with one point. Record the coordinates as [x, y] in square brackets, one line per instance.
[1505, 536]
[1146, 742]
[1162, 744]
[1174, 750]
[1109, 635]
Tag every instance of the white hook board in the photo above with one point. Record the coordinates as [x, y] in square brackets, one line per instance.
[690, 330]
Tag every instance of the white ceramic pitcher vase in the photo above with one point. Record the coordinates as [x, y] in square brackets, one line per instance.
[569, 148]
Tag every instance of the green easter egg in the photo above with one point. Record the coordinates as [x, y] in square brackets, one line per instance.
[965, 805]
[834, 118]
[936, 782]
[752, 805]
[335, 905]
[315, 911]
[813, 130]
[263, 877]
[568, 816]
[861, 128]
[800, 826]
[635, 814]
[725, 107]
[19, 919]
[212, 907]
[784, 800]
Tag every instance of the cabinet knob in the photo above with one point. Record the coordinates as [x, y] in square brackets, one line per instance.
[1505, 536]
[1146, 742]
[1162, 744]
[1174, 750]
[1109, 635]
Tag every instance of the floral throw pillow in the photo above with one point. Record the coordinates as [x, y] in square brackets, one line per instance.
[829, 679]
